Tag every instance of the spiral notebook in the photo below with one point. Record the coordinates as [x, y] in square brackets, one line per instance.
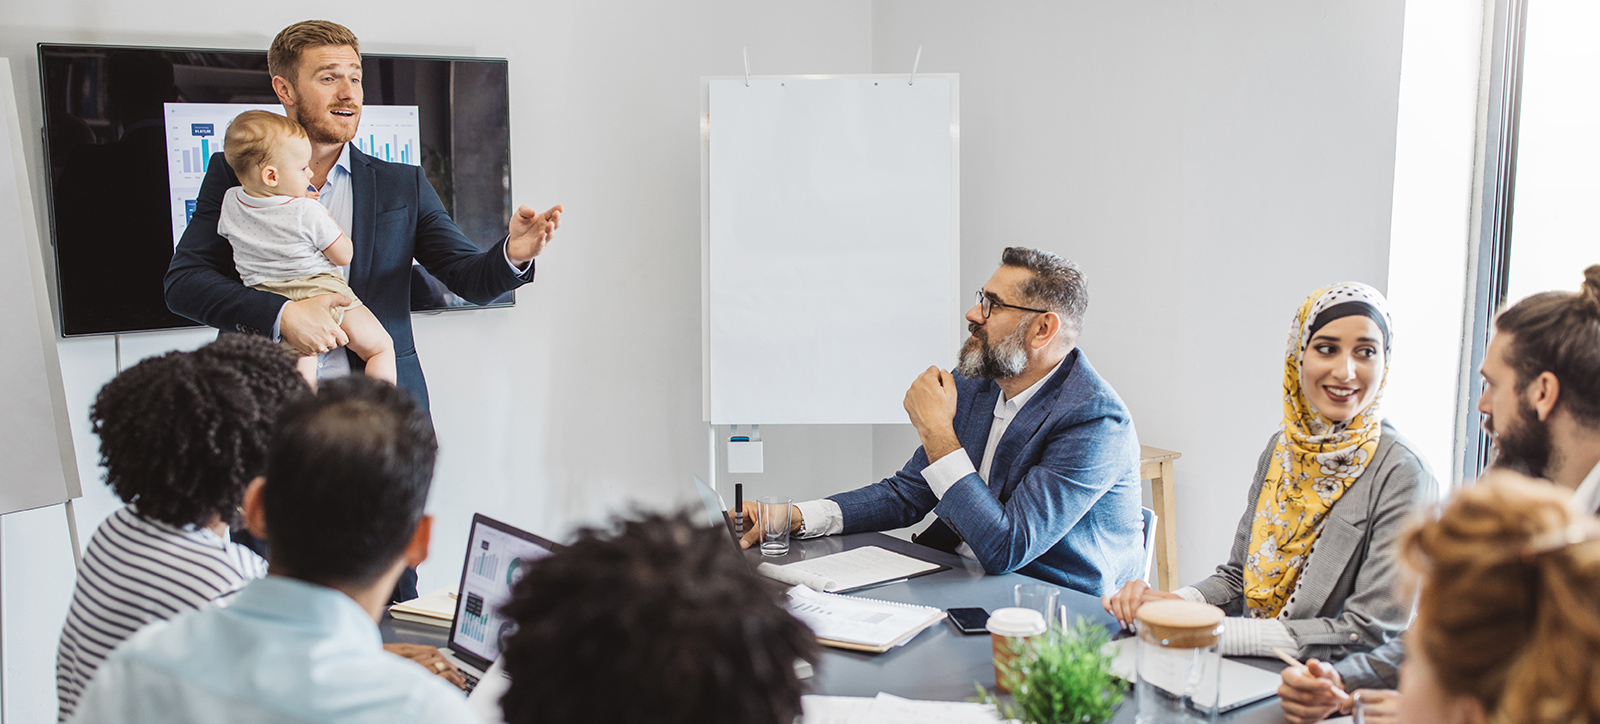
[860, 624]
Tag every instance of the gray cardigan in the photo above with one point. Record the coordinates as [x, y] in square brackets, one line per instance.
[1348, 600]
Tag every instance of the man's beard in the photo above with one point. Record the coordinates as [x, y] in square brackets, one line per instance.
[1525, 445]
[321, 128]
[983, 361]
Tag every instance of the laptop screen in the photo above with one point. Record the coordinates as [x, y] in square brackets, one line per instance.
[496, 553]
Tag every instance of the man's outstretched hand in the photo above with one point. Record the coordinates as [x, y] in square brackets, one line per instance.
[530, 232]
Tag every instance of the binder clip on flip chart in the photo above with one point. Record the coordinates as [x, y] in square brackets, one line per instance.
[744, 451]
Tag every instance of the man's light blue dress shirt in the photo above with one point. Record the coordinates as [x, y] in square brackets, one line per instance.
[284, 651]
[338, 196]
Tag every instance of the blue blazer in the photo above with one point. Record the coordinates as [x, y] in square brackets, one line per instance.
[1062, 501]
[397, 216]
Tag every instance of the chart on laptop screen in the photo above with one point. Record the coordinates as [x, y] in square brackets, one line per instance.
[493, 567]
[195, 132]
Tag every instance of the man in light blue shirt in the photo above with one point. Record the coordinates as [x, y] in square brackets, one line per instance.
[342, 507]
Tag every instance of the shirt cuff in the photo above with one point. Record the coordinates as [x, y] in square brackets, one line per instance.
[947, 471]
[819, 517]
[1255, 637]
[1191, 594]
[505, 251]
[277, 322]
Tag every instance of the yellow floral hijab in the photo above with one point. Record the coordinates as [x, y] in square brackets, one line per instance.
[1315, 459]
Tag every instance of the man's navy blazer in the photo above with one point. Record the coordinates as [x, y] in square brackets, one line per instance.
[1062, 501]
[396, 217]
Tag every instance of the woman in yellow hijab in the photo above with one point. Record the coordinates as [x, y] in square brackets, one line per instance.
[1312, 569]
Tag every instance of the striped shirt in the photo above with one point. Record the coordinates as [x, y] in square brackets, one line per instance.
[137, 571]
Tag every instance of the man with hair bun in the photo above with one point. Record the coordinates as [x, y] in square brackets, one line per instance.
[1541, 401]
[1028, 458]
[1541, 389]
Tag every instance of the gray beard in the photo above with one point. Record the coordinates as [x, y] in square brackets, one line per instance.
[983, 361]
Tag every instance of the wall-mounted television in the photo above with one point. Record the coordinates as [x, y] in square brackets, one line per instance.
[129, 132]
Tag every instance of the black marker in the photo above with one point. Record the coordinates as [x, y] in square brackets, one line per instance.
[738, 508]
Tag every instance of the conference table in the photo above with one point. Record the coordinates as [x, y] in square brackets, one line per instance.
[940, 663]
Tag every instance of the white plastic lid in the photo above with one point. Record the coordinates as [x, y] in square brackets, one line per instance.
[1016, 622]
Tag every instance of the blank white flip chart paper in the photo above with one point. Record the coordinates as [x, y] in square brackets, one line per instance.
[832, 245]
[35, 438]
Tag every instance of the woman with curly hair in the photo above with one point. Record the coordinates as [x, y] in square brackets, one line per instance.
[181, 435]
[1312, 569]
[1508, 621]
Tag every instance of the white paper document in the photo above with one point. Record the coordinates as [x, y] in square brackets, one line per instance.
[889, 709]
[848, 570]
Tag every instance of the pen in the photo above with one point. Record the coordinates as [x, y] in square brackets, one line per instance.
[1292, 661]
[738, 507]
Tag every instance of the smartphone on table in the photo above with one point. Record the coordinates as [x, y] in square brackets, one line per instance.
[969, 620]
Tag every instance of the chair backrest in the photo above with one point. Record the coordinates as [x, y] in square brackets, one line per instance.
[1149, 542]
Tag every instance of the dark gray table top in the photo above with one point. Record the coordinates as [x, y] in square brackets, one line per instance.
[940, 663]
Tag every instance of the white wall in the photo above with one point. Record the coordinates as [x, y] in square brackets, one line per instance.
[1208, 165]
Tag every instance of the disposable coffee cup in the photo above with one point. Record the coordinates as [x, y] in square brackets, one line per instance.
[1009, 630]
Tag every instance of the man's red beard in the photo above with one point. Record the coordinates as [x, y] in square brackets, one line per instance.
[322, 129]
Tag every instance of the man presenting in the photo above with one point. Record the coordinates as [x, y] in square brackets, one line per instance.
[389, 211]
[1028, 457]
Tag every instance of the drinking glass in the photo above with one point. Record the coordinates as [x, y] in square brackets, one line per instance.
[775, 513]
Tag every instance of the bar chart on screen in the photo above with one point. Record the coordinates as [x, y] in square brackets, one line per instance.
[390, 134]
[195, 132]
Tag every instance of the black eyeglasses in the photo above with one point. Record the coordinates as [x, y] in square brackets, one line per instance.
[988, 303]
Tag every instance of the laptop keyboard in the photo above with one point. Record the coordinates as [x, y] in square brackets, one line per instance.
[472, 681]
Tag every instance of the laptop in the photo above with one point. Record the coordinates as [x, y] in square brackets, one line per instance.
[715, 509]
[496, 553]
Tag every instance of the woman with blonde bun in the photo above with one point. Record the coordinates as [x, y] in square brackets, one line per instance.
[1508, 620]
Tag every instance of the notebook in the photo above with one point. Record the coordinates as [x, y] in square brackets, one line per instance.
[851, 570]
[860, 624]
[435, 609]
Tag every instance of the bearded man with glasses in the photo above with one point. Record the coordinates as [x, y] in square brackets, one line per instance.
[1029, 459]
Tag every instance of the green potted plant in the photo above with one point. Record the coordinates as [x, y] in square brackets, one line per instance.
[1062, 677]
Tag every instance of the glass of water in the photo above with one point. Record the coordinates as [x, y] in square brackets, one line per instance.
[775, 515]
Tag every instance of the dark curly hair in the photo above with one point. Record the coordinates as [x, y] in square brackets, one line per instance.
[662, 610]
[183, 433]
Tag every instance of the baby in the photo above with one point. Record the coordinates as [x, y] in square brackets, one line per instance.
[283, 240]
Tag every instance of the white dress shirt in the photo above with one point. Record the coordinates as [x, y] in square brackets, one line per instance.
[1587, 497]
[940, 475]
[338, 195]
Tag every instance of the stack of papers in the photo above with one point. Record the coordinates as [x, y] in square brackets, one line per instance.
[851, 570]
[435, 609]
[887, 709]
[860, 624]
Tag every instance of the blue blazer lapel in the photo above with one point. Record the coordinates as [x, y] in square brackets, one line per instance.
[363, 218]
[972, 427]
[1027, 423]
